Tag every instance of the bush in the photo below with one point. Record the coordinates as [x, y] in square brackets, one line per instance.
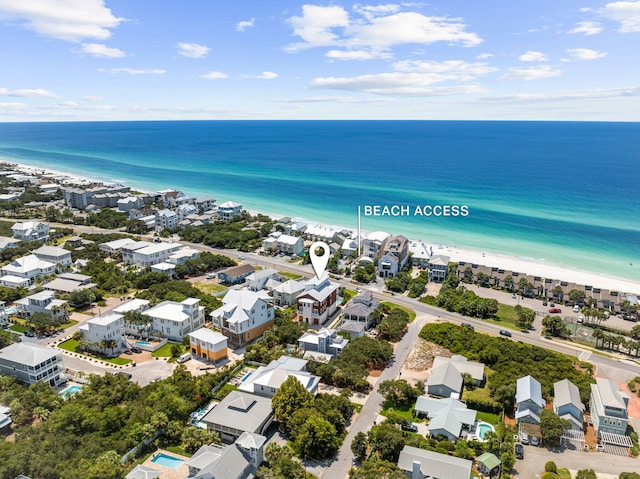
[549, 475]
[550, 466]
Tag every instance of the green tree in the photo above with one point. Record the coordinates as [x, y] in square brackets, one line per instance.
[552, 426]
[359, 446]
[279, 464]
[377, 470]
[290, 397]
[554, 326]
[526, 316]
[193, 438]
[586, 474]
[317, 438]
[550, 466]
[387, 441]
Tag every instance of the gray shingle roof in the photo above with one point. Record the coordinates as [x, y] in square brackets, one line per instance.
[29, 354]
[434, 464]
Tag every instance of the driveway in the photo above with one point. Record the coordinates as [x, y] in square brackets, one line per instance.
[532, 466]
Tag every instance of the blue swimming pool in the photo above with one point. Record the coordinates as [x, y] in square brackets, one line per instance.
[144, 343]
[484, 428]
[246, 376]
[70, 391]
[167, 461]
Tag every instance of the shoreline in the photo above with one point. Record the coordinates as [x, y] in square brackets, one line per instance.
[456, 254]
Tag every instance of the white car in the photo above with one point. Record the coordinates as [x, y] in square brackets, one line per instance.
[580, 319]
[576, 309]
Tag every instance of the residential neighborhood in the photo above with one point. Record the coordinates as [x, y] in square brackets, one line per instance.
[202, 344]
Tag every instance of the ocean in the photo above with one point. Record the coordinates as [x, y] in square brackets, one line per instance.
[561, 192]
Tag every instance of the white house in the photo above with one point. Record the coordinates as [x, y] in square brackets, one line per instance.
[438, 268]
[321, 233]
[28, 267]
[183, 255]
[105, 333]
[422, 464]
[257, 280]
[30, 363]
[266, 380]
[6, 242]
[291, 245]
[608, 406]
[55, 255]
[229, 210]
[420, 253]
[30, 230]
[286, 294]
[139, 305]
[166, 220]
[207, 344]
[325, 341]
[394, 256]
[175, 320]
[185, 210]
[144, 253]
[244, 316]
[128, 203]
[115, 247]
[529, 401]
[42, 302]
[372, 243]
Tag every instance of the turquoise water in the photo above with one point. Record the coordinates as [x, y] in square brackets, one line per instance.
[560, 192]
[70, 391]
[143, 343]
[167, 461]
[484, 428]
[246, 376]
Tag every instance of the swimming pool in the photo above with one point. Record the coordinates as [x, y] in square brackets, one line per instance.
[167, 461]
[11, 309]
[483, 428]
[70, 391]
[246, 376]
[144, 343]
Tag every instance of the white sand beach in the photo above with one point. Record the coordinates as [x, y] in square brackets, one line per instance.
[521, 265]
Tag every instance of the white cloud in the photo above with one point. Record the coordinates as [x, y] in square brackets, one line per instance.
[134, 71]
[533, 73]
[627, 13]
[13, 106]
[330, 99]
[357, 55]
[376, 29]
[99, 50]
[71, 20]
[28, 93]
[581, 95]
[243, 25]
[266, 76]
[214, 76]
[192, 50]
[396, 83]
[68, 104]
[461, 69]
[587, 28]
[485, 56]
[585, 54]
[533, 56]
[92, 98]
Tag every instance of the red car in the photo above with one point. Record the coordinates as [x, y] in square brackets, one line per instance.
[555, 310]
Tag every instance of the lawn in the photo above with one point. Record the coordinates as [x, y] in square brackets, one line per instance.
[222, 393]
[289, 275]
[19, 328]
[68, 324]
[178, 450]
[405, 412]
[209, 288]
[505, 317]
[72, 345]
[492, 419]
[165, 351]
[411, 312]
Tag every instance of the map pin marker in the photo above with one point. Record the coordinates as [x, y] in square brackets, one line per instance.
[319, 263]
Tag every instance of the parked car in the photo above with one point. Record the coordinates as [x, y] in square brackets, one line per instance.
[555, 310]
[211, 275]
[580, 319]
[467, 325]
[600, 447]
[519, 451]
[409, 426]
[534, 441]
[576, 309]
[506, 333]
[552, 304]
[524, 438]
[544, 303]
[514, 296]
[136, 349]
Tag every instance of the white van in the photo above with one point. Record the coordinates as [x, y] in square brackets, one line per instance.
[576, 309]
[184, 357]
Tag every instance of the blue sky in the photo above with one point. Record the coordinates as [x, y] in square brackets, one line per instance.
[279, 59]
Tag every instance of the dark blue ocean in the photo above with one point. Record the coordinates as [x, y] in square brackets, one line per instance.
[562, 192]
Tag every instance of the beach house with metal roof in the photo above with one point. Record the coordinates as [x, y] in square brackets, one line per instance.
[266, 380]
[30, 363]
[286, 294]
[42, 302]
[229, 210]
[318, 302]
[55, 255]
[422, 464]
[29, 268]
[174, 320]
[608, 406]
[237, 413]
[363, 308]
[567, 403]
[529, 401]
[438, 268]
[207, 344]
[31, 230]
[447, 417]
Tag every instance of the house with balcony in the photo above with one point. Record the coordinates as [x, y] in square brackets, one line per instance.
[321, 233]
[175, 320]
[244, 316]
[55, 255]
[30, 363]
[372, 244]
[259, 280]
[237, 413]
[318, 302]
[420, 253]
[229, 210]
[529, 401]
[608, 407]
[438, 268]
[266, 380]
[69, 282]
[567, 403]
[291, 245]
[25, 271]
[183, 255]
[129, 203]
[448, 417]
[31, 231]
[42, 302]
[207, 344]
[394, 256]
[8, 243]
[114, 247]
[145, 254]
[166, 220]
[286, 294]
[139, 328]
[104, 334]
[363, 308]
[325, 341]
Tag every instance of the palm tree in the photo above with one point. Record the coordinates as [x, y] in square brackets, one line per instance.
[597, 335]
